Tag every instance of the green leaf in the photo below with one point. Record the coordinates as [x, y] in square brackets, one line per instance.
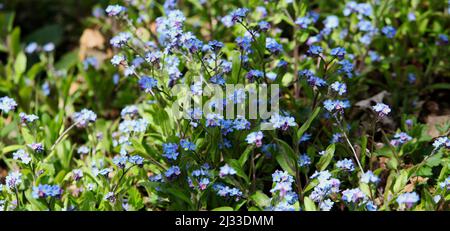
[435, 160]
[34, 70]
[309, 204]
[401, 181]
[11, 148]
[325, 160]
[87, 202]
[245, 155]
[307, 124]
[14, 44]
[68, 61]
[286, 157]
[27, 135]
[236, 166]
[179, 194]
[50, 33]
[261, 199]
[36, 204]
[425, 171]
[20, 65]
[135, 198]
[6, 23]
[313, 183]
[48, 169]
[443, 86]
[236, 65]
[363, 149]
[225, 208]
[286, 148]
[285, 164]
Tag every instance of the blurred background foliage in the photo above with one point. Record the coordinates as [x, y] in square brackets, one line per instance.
[58, 21]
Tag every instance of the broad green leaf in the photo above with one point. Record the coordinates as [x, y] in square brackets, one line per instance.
[325, 160]
[363, 149]
[425, 171]
[20, 65]
[287, 149]
[11, 148]
[239, 171]
[309, 204]
[236, 65]
[286, 157]
[244, 157]
[401, 181]
[261, 199]
[307, 124]
[68, 61]
[27, 135]
[50, 33]
[14, 44]
[225, 208]
[434, 160]
[175, 191]
[34, 70]
[135, 198]
[285, 164]
[6, 22]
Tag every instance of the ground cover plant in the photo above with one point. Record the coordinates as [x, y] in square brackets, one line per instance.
[362, 89]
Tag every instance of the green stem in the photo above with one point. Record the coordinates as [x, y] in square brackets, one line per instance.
[349, 144]
[62, 135]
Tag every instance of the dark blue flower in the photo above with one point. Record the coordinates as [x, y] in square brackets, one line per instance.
[273, 46]
[187, 145]
[389, 31]
[338, 52]
[147, 83]
[170, 151]
[314, 51]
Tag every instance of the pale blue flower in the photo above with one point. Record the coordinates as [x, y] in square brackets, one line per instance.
[13, 180]
[331, 22]
[113, 10]
[382, 109]
[338, 52]
[121, 39]
[136, 159]
[172, 172]
[147, 83]
[22, 155]
[304, 160]
[340, 88]
[303, 22]
[170, 151]
[346, 164]
[441, 141]
[353, 195]
[31, 48]
[77, 174]
[255, 138]
[26, 119]
[389, 31]
[407, 199]
[368, 177]
[226, 170]
[84, 117]
[117, 60]
[49, 47]
[7, 104]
